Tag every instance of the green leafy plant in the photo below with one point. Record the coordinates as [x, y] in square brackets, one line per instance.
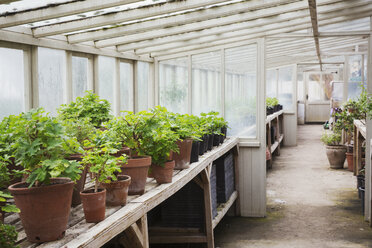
[81, 129]
[100, 159]
[213, 122]
[90, 106]
[40, 147]
[331, 139]
[9, 208]
[8, 236]
[271, 101]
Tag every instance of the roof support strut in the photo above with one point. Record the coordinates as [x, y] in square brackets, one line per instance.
[314, 23]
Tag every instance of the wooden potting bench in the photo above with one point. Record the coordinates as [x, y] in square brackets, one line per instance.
[274, 120]
[128, 224]
[359, 137]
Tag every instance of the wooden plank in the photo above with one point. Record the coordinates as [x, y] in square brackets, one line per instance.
[168, 238]
[273, 116]
[208, 208]
[223, 208]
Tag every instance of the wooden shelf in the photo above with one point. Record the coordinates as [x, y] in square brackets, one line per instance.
[276, 143]
[273, 116]
[223, 208]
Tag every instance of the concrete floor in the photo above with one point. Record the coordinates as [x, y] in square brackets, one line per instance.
[309, 205]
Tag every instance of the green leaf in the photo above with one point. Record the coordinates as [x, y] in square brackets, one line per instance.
[10, 209]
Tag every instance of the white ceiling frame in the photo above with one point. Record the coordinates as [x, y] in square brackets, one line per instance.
[208, 24]
[120, 17]
[321, 34]
[335, 18]
[232, 12]
[293, 25]
[63, 9]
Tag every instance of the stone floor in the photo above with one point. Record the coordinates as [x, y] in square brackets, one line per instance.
[308, 204]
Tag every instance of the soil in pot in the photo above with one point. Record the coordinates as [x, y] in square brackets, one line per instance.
[350, 161]
[182, 159]
[336, 156]
[210, 142]
[79, 184]
[137, 168]
[94, 205]
[45, 209]
[163, 174]
[216, 139]
[195, 152]
[117, 191]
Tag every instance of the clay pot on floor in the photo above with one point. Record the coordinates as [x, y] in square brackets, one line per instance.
[40, 205]
[117, 191]
[194, 157]
[336, 156]
[94, 205]
[163, 174]
[182, 159]
[79, 184]
[350, 161]
[137, 168]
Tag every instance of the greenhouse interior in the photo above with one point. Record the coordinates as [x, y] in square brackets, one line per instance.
[168, 123]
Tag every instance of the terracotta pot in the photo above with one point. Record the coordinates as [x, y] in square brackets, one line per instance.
[94, 205]
[350, 161]
[123, 150]
[182, 159]
[137, 168]
[45, 209]
[210, 142]
[336, 156]
[194, 157]
[117, 191]
[163, 174]
[79, 184]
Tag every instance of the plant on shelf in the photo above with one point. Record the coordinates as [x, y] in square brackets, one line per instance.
[40, 147]
[104, 167]
[336, 152]
[90, 106]
[8, 236]
[6, 176]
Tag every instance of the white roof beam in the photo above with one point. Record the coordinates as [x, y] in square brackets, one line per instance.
[120, 17]
[232, 13]
[63, 9]
[321, 34]
[314, 22]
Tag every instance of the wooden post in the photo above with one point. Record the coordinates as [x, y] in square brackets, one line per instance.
[208, 206]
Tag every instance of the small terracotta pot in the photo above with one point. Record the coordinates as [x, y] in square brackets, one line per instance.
[350, 161]
[45, 209]
[163, 174]
[117, 191]
[336, 156]
[123, 150]
[94, 205]
[182, 159]
[137, 168]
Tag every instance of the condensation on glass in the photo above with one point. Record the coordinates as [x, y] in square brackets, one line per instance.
[173, 85]
[285, 87]
[126, 86]
[356, 75]
[206, 82]
[241, 90]
[12, 88]
[143, 73]
[79, 76]
[271, 83]
[51, 66]
[106, 69]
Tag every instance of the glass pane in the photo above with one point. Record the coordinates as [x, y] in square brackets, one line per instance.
[285, 88]
[317, 88]
[106, 67]
[206, 82]
[143, 71]
[126, 86]
[51, 78]
[338, 91]
[12, 82]
[365, 57]
[240, 90]
[300, 86]
[79, 76]
[173, 84]
[271, 83]
[355, 68]
[354, 90]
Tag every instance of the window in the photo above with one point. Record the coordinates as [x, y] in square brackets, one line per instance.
[12, 88]
[271, 83]
[173, 85]
[241, 90]
[126, 86]
[285, 87]
[51, 66]
[206, 82]
[300, 86]
[106, 68]
[79, 76]
[143, 73]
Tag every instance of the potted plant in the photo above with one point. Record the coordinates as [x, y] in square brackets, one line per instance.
[335, 151]
[104, 168]
[40, 147]
[133, 131]
[8, 236]
[90, 106]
